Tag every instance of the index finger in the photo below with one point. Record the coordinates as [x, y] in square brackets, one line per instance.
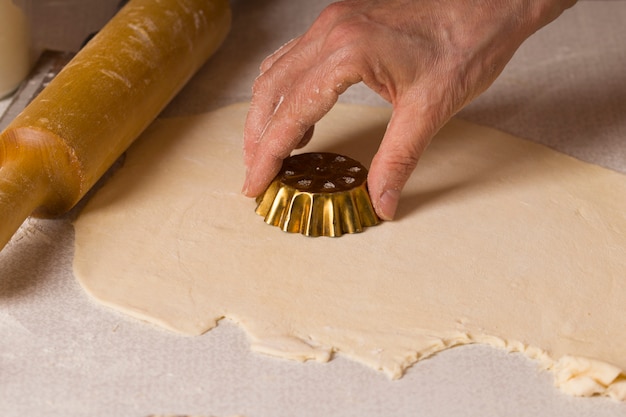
[287, 101]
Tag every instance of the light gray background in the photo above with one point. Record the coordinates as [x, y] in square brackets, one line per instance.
[61, 354]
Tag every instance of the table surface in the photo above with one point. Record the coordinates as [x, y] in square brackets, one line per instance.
[61, 354]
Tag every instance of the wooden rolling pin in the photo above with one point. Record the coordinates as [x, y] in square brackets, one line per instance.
[77, 127]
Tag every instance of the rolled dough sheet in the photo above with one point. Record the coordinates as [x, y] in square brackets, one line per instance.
[498, 241]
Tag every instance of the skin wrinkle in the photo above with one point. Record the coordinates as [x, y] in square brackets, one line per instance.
[256, 113]
[276, 107]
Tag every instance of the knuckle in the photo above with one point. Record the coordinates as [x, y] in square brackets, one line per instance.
[403, 164]
[335, 12]
[404, 158]
[260, 84]
[343, 25]
[266, 64]
[348, 33]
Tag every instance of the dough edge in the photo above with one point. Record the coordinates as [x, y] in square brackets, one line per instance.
[574, 375]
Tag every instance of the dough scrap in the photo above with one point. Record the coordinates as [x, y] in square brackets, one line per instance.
[498, 241]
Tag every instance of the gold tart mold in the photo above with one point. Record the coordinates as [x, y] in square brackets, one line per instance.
[319, 194]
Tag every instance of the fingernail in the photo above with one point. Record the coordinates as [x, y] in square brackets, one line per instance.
[388, 204]
[246, 183]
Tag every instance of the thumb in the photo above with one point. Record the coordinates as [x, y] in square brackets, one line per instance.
[405, 140]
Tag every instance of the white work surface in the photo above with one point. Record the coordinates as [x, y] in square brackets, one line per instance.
[61, 354]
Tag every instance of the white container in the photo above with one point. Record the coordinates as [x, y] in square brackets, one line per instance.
[14, 47]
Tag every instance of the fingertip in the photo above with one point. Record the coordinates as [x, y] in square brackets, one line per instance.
[384, 196]
[260, 174]
[387, 204]
[401, 148]
[249, 189]
[250, 185]
[245, 189]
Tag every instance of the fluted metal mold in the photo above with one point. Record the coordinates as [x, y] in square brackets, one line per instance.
[319, 194]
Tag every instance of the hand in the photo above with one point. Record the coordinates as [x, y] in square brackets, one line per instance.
[428, 58]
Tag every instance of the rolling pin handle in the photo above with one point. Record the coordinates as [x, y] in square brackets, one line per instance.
[21, 192]
[37, 176]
